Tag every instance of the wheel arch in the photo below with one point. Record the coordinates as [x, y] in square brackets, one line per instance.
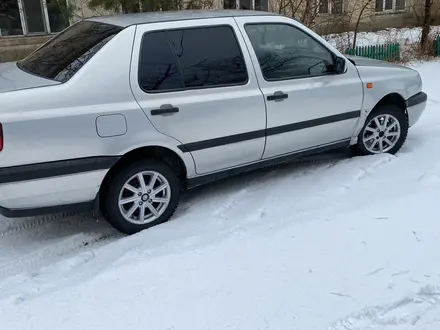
[168, 156]
[391, 99]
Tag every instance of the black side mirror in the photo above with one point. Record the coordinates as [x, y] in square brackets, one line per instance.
[339, 65]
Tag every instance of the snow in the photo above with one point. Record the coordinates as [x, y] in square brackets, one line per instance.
[330, 242]
[408, 38]
[402, 35]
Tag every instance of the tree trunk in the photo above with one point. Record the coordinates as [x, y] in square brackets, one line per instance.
[358, 21]
[130, 6]
[426, 25]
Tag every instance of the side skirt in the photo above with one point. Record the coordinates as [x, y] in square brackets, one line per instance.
[204, 179]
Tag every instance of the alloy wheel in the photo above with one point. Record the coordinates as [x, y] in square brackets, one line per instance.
[144, 197]
[381, 133]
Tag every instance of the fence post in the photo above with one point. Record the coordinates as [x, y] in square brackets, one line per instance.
[438, 46]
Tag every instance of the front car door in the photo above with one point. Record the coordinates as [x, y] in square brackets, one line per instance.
[307, 106]
[195, 84]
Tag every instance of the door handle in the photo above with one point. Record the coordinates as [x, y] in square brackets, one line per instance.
[164, 109]
[278, 95]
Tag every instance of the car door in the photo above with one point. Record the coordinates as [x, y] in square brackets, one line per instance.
[195, 82]
[307, 107]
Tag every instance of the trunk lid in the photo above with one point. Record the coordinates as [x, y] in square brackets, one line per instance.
[12, 78]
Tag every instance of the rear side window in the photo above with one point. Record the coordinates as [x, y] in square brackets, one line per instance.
[191, 58]
[69, 51]
[158, 68]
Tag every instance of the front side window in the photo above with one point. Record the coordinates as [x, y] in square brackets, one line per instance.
[64, 55]
[286, 52]
[191, 58]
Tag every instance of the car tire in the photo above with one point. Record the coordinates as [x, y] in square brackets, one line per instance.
[392, 136]
[126, 196]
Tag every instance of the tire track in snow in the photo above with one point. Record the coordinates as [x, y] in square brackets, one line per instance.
[36, 222]
[53, 252]
[408, 312]
[368, 166]
[292, 171]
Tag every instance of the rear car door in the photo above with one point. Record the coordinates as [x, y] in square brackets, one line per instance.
[307, 106]
[195, 82]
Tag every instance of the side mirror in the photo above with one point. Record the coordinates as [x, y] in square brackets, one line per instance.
[339, 65]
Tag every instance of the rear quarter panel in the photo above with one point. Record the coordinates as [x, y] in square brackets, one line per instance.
[59, 122]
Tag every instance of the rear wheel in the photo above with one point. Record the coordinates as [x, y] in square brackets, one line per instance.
[142, 195]
[385, 131]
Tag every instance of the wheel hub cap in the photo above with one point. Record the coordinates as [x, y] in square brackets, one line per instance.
[145, 197]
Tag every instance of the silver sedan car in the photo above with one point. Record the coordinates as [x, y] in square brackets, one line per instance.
[122, 113]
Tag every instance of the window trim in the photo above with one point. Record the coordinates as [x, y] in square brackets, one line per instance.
[333, 55]
[178, 64]
[253, 6]
[330, 8]
[390, 11]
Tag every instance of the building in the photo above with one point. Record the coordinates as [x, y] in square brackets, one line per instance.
[31, 17]
[43, 18]
[40, 17]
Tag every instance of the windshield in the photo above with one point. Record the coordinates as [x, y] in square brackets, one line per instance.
[65, 54]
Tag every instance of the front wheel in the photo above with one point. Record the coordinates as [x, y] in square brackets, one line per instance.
[385, 131]
[142, 195]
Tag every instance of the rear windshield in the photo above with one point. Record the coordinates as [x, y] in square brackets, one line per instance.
[65, 54]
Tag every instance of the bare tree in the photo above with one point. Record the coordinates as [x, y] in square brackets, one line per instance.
[426, 12]
[315, 14]
[360, 13]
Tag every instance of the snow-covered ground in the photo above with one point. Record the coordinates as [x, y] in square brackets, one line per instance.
[408, 38]
[402, 35]
[331, 243]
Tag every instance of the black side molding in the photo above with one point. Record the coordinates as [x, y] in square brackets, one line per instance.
[218, 142]
[313, 123]
[197, 181]
[416, 99]
[55, 168]
[32, 212]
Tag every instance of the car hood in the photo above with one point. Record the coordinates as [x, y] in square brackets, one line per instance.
[364, 61]
[12, 78]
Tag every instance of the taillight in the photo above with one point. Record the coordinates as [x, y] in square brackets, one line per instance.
[1, 137]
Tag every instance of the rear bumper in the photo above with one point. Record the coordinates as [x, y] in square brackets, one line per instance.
[415, 106]
[50, 188]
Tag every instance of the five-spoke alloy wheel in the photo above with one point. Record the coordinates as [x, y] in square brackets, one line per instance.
[142, 195]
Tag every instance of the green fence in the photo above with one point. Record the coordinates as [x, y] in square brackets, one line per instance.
[437, 46]
[386, 52]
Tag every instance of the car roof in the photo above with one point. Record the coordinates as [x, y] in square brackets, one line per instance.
[125, 20]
